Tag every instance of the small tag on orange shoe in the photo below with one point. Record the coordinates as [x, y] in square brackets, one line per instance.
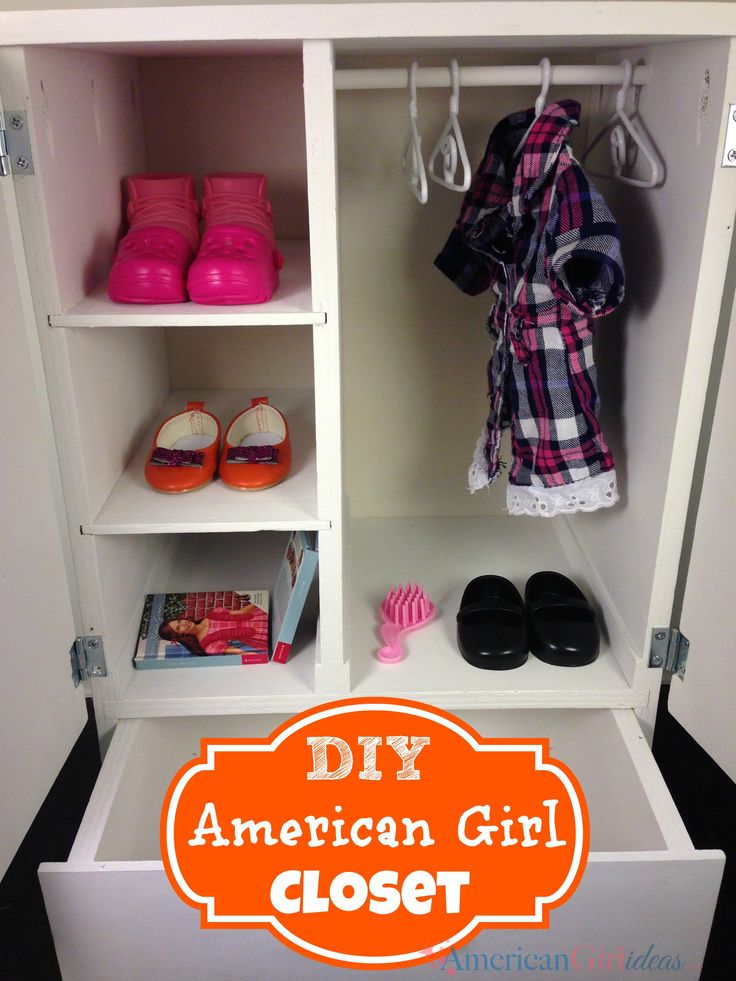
[195, 406]
[259, 400]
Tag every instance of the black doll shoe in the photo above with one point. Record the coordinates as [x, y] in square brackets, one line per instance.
[491, 626]
[563, 628]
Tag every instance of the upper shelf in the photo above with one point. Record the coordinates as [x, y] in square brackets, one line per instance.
[291, 304]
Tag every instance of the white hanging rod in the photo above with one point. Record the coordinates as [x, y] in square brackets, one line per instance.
[435, 78]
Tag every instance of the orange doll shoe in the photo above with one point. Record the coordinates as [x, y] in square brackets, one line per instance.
[256, 453]
[184, 452]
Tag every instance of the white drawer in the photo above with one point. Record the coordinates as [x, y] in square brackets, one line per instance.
[645, 889]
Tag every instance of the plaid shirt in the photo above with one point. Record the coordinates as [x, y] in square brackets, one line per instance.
[537, 232]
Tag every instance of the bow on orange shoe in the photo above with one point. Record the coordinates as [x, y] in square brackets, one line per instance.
[256, 452]
[184, 453]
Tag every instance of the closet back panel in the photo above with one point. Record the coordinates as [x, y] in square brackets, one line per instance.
[231, 357]
[210, 115]
[414, 348]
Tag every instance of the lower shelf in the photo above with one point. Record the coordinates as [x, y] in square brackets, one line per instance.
[258, 688]
[443, 554]
[206, 562]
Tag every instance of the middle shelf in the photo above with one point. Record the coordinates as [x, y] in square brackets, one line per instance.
[134, 508]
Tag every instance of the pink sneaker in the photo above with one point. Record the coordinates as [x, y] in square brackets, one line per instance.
[238, 261]
[153, 258]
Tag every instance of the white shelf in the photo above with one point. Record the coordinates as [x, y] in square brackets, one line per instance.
[134, 508]
[443, 555]
[219, 562]
[291, 304]
[221, 691]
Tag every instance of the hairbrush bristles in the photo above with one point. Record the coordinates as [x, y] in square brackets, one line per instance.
[405, 608]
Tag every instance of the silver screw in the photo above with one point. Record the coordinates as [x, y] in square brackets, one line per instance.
[95, 671]
[734, 116]
[732, 154]
[660, 635]
[16, 122]
[22, 163]
[94, 644]
[656, 661]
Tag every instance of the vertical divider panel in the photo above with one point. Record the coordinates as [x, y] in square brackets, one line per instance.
[319, 106]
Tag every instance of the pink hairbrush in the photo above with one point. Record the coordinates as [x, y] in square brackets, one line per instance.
[405, 608]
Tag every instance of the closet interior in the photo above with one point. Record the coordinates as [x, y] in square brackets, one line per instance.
[382, 377]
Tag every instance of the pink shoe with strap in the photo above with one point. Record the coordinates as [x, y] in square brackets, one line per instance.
[152, 260]
[238, 261]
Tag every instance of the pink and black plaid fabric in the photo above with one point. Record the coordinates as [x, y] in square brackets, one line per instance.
[226, 628]
[537, 232]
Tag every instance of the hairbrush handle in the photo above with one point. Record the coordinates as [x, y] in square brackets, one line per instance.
[390, 634]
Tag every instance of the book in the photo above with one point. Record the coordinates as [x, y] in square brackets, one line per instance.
[238, 629]
[290, 591]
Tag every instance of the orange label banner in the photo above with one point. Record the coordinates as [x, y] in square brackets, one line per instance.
[374, 832]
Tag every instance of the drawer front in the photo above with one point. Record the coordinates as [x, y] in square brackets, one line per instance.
[118, 923]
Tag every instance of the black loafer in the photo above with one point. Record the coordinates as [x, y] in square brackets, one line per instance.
[563, 628]
[491, 626]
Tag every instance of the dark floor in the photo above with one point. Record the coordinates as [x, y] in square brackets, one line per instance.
[26, 947]
[705, 798]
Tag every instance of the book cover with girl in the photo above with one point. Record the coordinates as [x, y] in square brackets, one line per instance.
[195, 629]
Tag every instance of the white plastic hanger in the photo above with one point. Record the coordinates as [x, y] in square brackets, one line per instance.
[411, 159]
[545, 69]
[619, 125]
[451, 146]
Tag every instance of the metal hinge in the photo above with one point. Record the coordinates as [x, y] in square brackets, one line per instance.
[4, 157]
[15, 144]
[729, 145]
[669, 650]
[87, 655]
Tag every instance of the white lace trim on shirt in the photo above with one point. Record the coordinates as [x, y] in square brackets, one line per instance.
[478, 473]
[588, 494]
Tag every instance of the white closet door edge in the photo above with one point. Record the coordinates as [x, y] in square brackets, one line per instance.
[665, 812]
